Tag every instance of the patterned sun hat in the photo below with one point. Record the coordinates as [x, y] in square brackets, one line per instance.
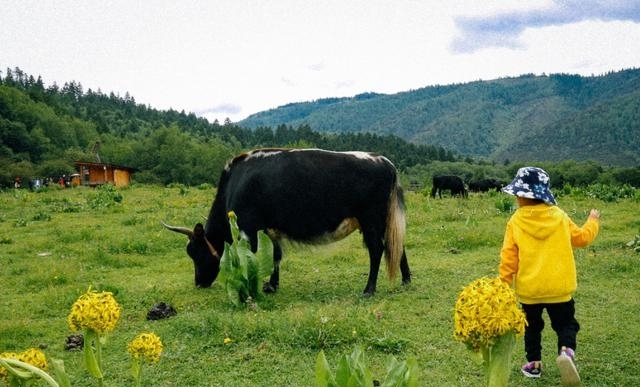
[531, 183]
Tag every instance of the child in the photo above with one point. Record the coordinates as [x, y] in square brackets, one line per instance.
[537, 253]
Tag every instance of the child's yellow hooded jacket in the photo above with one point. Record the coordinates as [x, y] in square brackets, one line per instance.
[538, 252]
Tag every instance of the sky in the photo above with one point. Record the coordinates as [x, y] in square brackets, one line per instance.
[231, 58]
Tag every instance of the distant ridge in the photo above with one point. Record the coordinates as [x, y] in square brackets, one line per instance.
[546, 118]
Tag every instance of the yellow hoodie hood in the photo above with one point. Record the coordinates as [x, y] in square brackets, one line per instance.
[539, 221]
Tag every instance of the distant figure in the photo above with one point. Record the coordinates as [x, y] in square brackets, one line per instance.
[17, 183]
[537, 253]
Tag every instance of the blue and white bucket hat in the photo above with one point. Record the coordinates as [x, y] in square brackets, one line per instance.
[531, 183]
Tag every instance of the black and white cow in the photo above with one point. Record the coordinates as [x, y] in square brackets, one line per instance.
[306, 195]
[450, 183]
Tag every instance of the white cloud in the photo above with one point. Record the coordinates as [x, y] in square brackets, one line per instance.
[504, 29]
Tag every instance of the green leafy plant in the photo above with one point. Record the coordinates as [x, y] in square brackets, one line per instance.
[353, 371]
[504, 204]
[240, 269]
[41, 216]
[106, 196]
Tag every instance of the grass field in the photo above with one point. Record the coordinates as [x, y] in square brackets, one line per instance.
[55, 244]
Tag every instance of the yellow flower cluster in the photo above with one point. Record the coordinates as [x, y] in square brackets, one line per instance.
[93, 310]
[146, 345]
[32, 356]
[485, 310]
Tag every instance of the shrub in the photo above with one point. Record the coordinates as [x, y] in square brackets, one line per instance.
[240, 269]
[353, 371]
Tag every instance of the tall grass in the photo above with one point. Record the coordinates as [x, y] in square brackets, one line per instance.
[55, 244]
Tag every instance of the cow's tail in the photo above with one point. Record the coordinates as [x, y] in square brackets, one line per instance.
[394, 234]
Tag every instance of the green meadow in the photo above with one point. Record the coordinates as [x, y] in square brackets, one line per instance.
[57, 243]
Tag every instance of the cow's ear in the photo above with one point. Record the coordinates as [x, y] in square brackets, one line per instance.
[198, 231]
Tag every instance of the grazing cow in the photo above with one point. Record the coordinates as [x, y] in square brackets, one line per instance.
[448, 182]
[484, 185]
[306, 195]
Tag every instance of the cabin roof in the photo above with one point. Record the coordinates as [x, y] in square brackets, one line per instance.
[100, 165]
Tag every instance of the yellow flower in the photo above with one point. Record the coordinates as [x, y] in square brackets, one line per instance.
[227, 340]
[93, 310]
[485, 310]
[4, 374]
[146, 345]
[32, 356]
[35, 357]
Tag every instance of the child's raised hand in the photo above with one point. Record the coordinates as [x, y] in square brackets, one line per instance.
[595, 214]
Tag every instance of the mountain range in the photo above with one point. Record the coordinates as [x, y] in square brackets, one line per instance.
[526, 118]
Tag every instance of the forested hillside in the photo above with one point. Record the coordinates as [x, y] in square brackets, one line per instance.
[543, 118]
[44, 130]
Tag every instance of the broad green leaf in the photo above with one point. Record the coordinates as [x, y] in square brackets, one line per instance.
[323, 372]
[244, 257]
[264, 255]
[396, 371]
[58, 369]
[15, 368]
[412, 376]
[89, 356]
[343, 372]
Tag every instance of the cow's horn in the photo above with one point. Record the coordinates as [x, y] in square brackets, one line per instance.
[181, 230]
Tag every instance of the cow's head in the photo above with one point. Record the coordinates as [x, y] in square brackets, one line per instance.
[206, 260]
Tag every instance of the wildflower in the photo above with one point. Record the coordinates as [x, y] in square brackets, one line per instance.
[97, 311]
[4, 374]
[147, 346]
[227, 340]
[18, 371]
[35, 357]
[487, 319]
[485, 310]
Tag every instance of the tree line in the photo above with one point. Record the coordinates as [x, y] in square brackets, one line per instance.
[44, 130]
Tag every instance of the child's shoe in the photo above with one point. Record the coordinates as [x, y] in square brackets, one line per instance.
[532, 369]
[568, 371]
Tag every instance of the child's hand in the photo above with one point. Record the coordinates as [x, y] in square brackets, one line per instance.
[595, 214]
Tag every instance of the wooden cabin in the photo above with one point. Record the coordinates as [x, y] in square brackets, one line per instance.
[93, 174]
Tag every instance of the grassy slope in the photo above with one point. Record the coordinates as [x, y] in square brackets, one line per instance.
[123, 248]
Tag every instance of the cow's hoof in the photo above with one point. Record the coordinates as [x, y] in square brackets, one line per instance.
[406, 281]
[366, 294]
[269, 288]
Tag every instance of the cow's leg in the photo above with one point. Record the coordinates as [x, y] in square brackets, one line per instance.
[404, 269]
[372, 281]
[373, 241]
[274, 280]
